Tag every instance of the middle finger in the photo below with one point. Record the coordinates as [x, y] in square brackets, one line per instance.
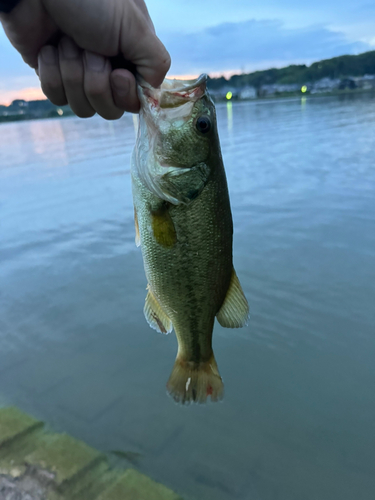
[97, 70]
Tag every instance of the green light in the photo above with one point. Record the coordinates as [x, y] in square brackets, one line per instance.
[304, 89]
[229, 96]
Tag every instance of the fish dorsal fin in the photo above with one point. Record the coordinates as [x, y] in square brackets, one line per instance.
[234, 313]
[155, 315]
[137, 236]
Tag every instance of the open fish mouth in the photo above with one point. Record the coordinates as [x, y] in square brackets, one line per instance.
[167, 116]
[172, 93]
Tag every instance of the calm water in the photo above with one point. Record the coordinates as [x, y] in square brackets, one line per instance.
[298, 419]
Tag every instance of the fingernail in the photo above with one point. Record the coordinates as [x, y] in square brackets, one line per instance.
[120, 85]
[49, 55]
[95, 62]
[69, 49]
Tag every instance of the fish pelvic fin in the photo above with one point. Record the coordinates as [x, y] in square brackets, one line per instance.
[234, 313]
[155, 315]
[192, 382]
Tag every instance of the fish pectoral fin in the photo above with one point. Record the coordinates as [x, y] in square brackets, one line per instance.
[185, 184]
[137, 236]
[162, 226]
[154, 314]
[234, 313]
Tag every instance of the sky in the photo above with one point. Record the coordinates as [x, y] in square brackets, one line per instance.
[232, 36]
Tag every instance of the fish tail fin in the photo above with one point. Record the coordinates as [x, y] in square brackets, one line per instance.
[195, 382]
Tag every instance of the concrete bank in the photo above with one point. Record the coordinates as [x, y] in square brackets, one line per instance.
[36, 464]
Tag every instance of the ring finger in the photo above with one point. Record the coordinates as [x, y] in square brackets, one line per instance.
[72, 73]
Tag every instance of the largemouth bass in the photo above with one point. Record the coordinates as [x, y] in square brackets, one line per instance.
[184, 226]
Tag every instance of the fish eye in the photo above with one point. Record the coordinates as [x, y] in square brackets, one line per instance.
[203, 124]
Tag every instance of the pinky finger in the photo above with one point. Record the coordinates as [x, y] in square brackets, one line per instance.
[50, 76]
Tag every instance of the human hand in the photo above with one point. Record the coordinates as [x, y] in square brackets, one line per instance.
[69, 43]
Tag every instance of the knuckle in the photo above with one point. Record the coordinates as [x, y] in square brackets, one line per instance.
[51, 85]
[73, 79]
[84, 114]
[94, 90]
[113, 114]
[57, 100]
[55, 94]
[166, 61]
[81, 109]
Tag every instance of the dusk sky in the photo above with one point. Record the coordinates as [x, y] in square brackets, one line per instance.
[222, 36]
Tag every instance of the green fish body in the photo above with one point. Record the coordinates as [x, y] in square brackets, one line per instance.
[184, 226]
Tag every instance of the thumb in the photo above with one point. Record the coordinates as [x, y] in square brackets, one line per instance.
[155, 67]
[147, 52]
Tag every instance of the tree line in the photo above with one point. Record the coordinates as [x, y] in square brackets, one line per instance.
[337, 67]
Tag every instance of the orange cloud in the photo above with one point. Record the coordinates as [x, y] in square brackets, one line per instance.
[183, 77]
[28, 94]
[212, 74]
[227, 74]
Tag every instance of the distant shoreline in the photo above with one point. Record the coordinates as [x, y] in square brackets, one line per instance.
[55, 113]
[67, 112]
[288, 95]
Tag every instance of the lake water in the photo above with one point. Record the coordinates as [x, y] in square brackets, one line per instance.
[298, 418]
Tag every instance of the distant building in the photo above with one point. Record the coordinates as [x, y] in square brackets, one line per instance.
[325, 85]
[16, 108]
[19, 103]
[278, 88]
[248, 92]
[220, 94]
[366, 82]
[347, 83]
[26, 110]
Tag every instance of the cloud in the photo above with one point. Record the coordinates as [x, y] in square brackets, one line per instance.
[254, 44]
[248, 45]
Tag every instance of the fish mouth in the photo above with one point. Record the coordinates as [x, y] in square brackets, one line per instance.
[172, 93]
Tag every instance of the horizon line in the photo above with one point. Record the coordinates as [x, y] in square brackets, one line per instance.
[36, 93]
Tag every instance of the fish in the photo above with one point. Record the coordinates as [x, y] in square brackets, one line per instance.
[184, 227]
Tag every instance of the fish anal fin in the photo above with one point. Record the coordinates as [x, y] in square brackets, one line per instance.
[155, 316]
[163, 228]
[234, 313]
[137, 236]
[192, 382]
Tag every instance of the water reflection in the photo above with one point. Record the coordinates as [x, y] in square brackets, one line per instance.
[49, 143]
[297, 418]
[230, 117]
